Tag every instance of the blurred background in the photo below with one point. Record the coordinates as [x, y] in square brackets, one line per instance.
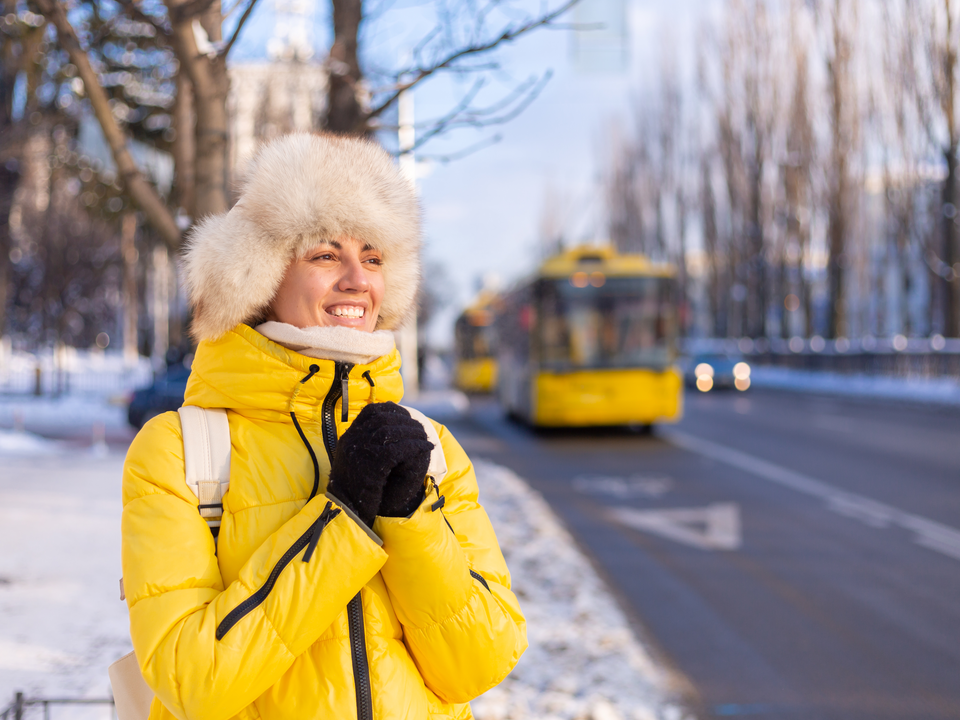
[691, 273]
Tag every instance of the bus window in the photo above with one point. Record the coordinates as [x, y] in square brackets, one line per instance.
[625, 322]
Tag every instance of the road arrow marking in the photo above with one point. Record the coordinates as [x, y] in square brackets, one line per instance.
[927, 533]
[715, 527]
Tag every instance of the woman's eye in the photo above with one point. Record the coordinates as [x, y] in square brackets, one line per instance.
[374, 260]
[323, 256]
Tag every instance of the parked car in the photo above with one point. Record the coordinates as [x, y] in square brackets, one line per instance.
[709, 371]
[166, 393]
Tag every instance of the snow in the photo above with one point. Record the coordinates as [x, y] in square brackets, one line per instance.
[68, 370]
[61, 619]
[19, 442]
[584, 660]
[62, 622]
[941, 391]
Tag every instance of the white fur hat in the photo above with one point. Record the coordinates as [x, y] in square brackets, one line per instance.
[299, 190]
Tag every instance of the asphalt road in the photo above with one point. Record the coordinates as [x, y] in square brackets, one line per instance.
[790, 556]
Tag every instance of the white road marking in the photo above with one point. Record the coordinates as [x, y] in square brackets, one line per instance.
[927, 533]
[620, 487]
[715, 527]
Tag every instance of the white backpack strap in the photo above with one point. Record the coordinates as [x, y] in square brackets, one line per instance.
[438, 462]
[206, 458]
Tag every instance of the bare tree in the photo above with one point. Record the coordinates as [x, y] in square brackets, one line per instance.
[840, 21]
[898, 131]
[934, 67]
[796, 177]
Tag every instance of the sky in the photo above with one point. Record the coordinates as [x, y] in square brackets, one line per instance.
[482, 212]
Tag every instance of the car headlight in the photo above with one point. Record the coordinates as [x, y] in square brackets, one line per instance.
[741, 371]
[703, 369]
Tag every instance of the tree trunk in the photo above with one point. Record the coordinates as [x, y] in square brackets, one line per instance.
[344, 111]
[184, 147]
[8, 185]
[708, 209]
[131, 321]
[208, 76]
[838, 71]
[948, 218]
[757, 263]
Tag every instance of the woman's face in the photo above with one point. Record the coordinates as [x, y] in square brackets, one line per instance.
[339, 282]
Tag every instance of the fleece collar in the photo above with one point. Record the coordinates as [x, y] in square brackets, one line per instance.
[247, 372]
[340, 344]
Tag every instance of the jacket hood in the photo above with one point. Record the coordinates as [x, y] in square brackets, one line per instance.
[300, 190]
[245, 372]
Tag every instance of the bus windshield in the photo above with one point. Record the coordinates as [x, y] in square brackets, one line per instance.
[473, 340]
[617, 322]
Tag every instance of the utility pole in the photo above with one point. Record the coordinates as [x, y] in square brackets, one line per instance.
[406, 336]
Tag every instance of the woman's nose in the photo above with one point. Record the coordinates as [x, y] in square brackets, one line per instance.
[353, 279]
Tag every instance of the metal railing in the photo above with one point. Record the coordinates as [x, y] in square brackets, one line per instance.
[17, 709]
[934, 357]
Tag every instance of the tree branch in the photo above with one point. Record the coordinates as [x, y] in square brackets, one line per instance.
[469, 150]
[188, 10]
[135, 13]
[236, 33]
[482, 118]
[421, 74]
[140, 191]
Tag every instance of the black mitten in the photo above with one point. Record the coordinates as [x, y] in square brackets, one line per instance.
[366, 454]
[404, 490]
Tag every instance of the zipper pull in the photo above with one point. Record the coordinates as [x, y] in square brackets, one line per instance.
[345, 394]
[328, 514]
[373, 386]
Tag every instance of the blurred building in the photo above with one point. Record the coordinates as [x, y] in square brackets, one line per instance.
[286, 92]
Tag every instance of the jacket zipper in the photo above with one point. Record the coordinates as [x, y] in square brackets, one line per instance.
[361, 671]
[309, 538]
[438, 505]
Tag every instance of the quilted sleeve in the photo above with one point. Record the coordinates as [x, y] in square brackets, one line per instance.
[206, 650]
[450, 587]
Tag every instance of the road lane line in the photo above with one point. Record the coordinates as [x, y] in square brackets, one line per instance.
[927, 533]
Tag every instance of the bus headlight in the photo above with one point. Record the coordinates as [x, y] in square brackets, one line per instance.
[704, 383]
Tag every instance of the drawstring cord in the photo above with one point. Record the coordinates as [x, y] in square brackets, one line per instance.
[373, 386]
[314, 369]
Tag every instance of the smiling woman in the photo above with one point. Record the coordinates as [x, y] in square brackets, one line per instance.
[334, 584]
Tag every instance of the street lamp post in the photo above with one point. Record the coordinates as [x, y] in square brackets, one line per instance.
[406, 336]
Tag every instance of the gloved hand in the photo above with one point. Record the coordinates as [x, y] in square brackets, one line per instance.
[379, 439]
[405, 490]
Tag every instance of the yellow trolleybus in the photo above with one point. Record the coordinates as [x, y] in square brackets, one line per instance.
[591, 340]
[475, 367]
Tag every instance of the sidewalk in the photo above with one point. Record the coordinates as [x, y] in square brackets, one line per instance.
[940, 391]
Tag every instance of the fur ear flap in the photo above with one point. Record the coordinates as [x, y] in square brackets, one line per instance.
[299, 190]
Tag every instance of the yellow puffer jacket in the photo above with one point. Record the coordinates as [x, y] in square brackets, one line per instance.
[260, 626]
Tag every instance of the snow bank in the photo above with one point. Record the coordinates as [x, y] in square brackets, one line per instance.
[584, 661]
[18, 442]
[942, 391]
[65, 415]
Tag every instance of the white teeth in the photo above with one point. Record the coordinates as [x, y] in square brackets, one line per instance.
[348, 311]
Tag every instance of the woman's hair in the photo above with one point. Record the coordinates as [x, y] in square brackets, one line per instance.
[300, 190]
